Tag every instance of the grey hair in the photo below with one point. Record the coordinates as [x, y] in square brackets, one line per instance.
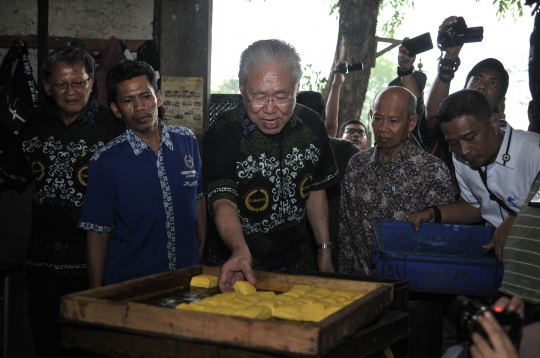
[269, 51]
[411, 100]
[71, 55]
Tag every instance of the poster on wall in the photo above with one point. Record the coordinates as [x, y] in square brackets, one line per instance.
[182, 101]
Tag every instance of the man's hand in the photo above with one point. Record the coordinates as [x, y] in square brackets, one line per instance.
[237, 268]
[405, 62]
[339, 77]
[324, 261]
[500, 235]
[515, 304]
[451, 52]
[424, 216]
[501, 345]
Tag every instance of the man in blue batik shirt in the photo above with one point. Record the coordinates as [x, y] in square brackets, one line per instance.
[145, 207]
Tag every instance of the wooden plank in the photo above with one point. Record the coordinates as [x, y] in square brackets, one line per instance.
[391, 328]
[56, 42]
[120, 306]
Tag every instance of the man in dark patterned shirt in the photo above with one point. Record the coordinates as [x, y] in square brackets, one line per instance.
[52, 151]
[265, 165]
[390, 181]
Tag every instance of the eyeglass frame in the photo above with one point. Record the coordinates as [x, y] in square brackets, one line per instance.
[285, 104]
[361, 131]
[54, 86]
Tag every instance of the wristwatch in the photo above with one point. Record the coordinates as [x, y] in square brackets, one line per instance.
[329, 246]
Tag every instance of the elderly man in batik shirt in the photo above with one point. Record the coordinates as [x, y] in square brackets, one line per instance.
[390, 181]
[265, 165]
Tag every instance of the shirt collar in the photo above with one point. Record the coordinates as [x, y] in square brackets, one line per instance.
[88, 114]
[138, 145]
[401, 156]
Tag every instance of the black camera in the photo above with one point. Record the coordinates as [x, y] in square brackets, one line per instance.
[464, 313]
[458, 34]
[349, 68]
[418, 44]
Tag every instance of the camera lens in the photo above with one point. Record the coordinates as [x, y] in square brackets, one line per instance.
[446, 38]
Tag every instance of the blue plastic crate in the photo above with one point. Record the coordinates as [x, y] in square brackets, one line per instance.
[439, 258]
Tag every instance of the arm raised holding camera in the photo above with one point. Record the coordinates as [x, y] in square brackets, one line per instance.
[406, 65]
[332, 105]
[441, 85]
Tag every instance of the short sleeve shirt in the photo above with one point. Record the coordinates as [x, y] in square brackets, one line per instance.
[371, 190]
[269, 177]
[509, 177]
[147, 203]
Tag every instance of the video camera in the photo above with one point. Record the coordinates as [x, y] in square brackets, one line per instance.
[458, 34]
[464, 312]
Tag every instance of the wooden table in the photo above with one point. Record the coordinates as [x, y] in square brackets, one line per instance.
[389, 331]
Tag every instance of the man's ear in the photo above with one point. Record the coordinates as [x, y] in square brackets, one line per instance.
[371, 113]
[241, 87]
[501, 105]
[495, 122]
[115, 110]
[413, 120]
[158, 96]
[92, 84]
[47, 88]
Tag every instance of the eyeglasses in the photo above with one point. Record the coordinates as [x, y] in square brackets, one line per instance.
[360, 132]
[259, 102]
[63, 86]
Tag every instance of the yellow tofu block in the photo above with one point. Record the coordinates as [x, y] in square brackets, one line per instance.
[229, 295]
[330, 301]
[232, 303]
[283, 298]
[347, 294]
[266, 294]
[244, 287]
[204, 281]
[288, 312]
[359, 295]
[346, 302]
[264, 311]
[224, 310]
[321, 290]
[302, 289]
[214, 301]
[252, 297]
[292, 293]
[254, 312]
[305, 299]
[270, 304]
[317, 296]
[331, 310]
[293, 303]
[312, 312]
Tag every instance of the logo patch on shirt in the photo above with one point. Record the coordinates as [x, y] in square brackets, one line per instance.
[82, 175]
[305, 185]
[257, 200]
[38, 169]
[191, 183]
[188, 160]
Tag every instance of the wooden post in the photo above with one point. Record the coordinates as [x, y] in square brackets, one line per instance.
[185, 44]
[43, 33]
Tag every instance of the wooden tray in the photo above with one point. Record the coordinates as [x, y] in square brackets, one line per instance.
[141, 306]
